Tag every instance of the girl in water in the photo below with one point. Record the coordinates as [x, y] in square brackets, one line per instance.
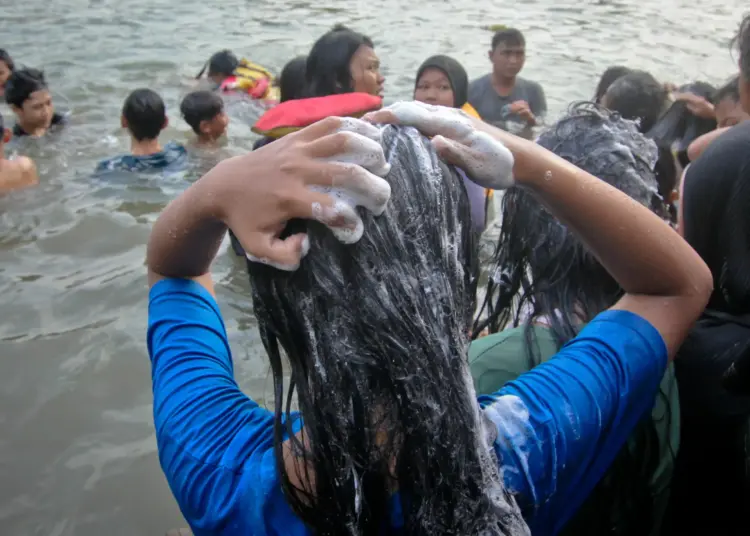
[394, 441]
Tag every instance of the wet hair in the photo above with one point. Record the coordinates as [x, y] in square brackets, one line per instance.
[200, 106]
[6, 59]
[21, 84]
[508, 36]
[742, 42]
[328, 70]
[637, 96]
[145, 113]
[292, 79]
[608, 77]
[544, 273]
[223, 63]
[730, 90]
[376, 338]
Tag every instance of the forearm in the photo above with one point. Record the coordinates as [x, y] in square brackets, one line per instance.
[187, 234]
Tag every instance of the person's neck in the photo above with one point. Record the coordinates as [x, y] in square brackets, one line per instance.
[33, 130]
[144, 147]
[503, 84]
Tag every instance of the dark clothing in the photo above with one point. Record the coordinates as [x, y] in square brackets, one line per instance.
[173, 157]
[710, 490]
[57, 120]
[456, 76]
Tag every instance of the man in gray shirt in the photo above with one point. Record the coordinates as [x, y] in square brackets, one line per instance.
[502, 98]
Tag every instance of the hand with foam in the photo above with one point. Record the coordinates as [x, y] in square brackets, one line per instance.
[484, 158]
[322, 172]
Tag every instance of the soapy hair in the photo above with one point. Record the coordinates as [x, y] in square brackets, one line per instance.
[376, 335]
[543, 274]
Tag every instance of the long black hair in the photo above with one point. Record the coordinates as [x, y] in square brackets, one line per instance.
[376, 336]
[543, 274]
[328, 70]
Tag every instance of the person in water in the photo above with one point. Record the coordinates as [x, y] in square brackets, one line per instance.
[729, 112]
[607, 79]
[442, 81]
[17, 173]
[502, 95]
[343, 61]
[204, 112]
[716, 410]
[28, 96]
[144, 116]
[549, 288]
[229, 73]
[6, 69]
[394, 440]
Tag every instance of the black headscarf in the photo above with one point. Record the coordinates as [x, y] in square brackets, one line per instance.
[456, 76]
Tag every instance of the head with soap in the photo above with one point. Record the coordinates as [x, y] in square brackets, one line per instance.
[376, 336]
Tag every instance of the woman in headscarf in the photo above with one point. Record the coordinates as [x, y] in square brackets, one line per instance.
[442, 81]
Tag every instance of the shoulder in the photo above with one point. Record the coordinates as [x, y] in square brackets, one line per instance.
[480, 83]
[25, 164]
[531, 85]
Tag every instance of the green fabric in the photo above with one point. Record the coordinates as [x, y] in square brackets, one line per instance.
[502, 357]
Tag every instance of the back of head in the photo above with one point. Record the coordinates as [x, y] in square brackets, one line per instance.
[145, 114]
[510, 37]
[21, 84]
[6, 59]
[637, 96]
[292, 79]
[608, 77]
[376, 338]
[328, 69]
[223, 63]
[454, 71]
[200, 106]
[542, 267]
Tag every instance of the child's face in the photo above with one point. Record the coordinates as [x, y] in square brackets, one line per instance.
[37, 110]
[216, 127]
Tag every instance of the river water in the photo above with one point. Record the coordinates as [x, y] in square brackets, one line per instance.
[77, 448]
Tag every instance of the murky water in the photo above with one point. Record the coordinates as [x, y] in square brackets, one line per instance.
[77, 449]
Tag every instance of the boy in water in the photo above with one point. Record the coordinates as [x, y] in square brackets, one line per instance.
[144, 116]
[6, 69]
[27, 94]
[204, 112]
[17, 173]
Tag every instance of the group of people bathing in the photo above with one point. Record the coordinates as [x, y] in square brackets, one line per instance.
[583, 424]
[580, 426]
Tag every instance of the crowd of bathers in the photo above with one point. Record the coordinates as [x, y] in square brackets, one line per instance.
[671, 454]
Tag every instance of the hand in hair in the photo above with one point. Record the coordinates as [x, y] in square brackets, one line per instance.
[457, 140]
[321, 172]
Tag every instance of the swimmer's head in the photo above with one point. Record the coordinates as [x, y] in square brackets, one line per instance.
[508, 53]
[6, 68]
[442, 81]
[144, 115]
[637, 96]
[292, 79]
[204, 112]
[376, 338]
[727, 105]
[27, 94]
[220, 66]
[608, 77]
[343, 61]
[742, 42]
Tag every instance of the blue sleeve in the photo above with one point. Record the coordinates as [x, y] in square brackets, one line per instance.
[215, 444]
[561, 425]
